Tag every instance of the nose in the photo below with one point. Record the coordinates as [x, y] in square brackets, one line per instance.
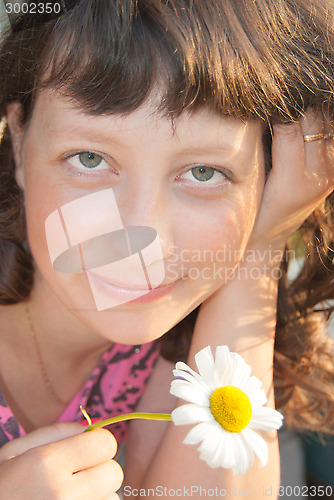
[150, 207]
[147, 215]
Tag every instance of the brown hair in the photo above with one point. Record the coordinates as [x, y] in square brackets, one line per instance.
[266, 59]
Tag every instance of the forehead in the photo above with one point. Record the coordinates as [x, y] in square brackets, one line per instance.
[59, 117]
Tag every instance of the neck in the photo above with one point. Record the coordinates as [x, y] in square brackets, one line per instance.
[60, 330]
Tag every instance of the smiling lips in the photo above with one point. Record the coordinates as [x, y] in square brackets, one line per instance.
[122, 293]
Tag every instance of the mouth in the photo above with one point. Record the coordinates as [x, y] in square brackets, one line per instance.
[123, 293]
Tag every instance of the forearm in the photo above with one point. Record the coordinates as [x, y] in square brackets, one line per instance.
[241, 315]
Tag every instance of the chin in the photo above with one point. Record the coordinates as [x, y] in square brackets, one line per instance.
[131, 327]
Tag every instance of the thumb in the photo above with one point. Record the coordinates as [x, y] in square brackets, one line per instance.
[39, 437]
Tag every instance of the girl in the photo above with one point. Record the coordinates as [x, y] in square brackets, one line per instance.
[161, 114]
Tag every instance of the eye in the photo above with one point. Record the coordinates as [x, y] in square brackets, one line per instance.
[87, 160]
[204, 174]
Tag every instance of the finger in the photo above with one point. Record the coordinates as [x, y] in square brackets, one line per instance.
[312, 124]
[300, 163]
[291, 149]
[288, 151]
[99, 482]
[90, 448]
[85, 450]
[45, 435]
[319, 161]
[329, 142]
[288, 170]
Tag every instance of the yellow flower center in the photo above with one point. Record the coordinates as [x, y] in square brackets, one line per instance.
[231, 408]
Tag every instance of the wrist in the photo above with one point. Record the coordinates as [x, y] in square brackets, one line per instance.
[258, 269]
[242, 313]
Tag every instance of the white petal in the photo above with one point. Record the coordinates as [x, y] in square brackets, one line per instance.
[180, 365]
[214, 459]
[257, 444]
[228, 460]
[211, 438]
[244, 455]
[197, 433]
[206, 367]
[257, 399]
[187, 391]
[184, 367]
[224, 365]
[241, 371]
[211, 448]
[224, 451]
[253, 389]
[190, 378]
[265, 419]
[191, 414]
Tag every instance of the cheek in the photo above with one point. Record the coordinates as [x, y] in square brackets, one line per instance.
[218, 237]
[72, 288]
[44, 194]
[41, 200]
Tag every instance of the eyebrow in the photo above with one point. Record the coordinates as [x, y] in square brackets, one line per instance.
[79, 131]
[101, 136]
[210, 147]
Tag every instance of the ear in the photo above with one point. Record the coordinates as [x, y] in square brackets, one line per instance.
[14, 120]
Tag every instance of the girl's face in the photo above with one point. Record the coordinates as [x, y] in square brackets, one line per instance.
[197, 182]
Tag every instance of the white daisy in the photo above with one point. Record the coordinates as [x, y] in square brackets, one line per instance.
[226, 403]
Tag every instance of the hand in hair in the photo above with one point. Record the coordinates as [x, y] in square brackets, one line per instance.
[60, 461]
[301, 178]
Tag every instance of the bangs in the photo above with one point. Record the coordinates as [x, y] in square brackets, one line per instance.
[246, 58]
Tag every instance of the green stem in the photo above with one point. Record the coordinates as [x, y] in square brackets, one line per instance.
[130, 416]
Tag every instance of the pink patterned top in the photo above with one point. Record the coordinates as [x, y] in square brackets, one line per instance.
[114, 388]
